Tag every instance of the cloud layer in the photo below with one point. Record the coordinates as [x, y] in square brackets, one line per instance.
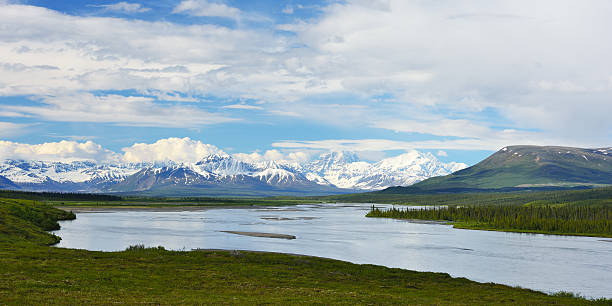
[181, 150]
[174, 149]
[65, 151]
[467, 75]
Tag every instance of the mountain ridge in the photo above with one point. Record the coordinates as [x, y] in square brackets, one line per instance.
[524, 166]
[333, 172]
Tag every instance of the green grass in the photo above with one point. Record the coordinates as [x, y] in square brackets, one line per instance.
[203, 202]
[25, 220]
[530, 165]
[33, 274]
[602, 196]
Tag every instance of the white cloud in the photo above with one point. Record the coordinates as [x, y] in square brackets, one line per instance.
[440, 127]
[65, 151]
[128, 54]
[494, 143]
[12, 129]
[132, 111]
[274, 155]
[175, 149]
[436, 60]
[125, 7]
[207, 9]
[442, 153]
[288, 9]
[561, 86]
[473, 56]
[243, 106]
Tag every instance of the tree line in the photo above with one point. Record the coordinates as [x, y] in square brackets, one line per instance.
[57, 196]
[567, 219]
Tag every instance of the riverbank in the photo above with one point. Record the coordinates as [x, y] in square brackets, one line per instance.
[37, 274]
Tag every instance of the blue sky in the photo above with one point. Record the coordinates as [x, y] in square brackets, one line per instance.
[459, 79]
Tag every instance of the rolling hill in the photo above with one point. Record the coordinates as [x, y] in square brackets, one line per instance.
[529, 167]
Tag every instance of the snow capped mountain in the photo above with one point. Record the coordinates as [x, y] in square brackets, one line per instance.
[224, 165]
[277, 176]
[331, 171]
[38, 172]
[604, 151]
[333, 160]
[173, 175]
[344, 170]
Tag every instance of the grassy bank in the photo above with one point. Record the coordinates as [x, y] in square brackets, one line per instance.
[33, 273]
[561, 220]
[59, 199]
[26, 220]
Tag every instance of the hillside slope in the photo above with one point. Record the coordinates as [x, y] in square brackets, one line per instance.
[531, 166]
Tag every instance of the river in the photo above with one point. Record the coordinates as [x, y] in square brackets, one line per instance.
[341, 231]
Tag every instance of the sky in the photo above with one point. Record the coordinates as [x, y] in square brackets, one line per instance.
[108, 80]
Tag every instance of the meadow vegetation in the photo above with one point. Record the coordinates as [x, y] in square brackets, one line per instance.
[34, 273]
[600, 196]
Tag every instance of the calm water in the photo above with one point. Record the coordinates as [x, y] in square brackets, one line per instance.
[541, 262]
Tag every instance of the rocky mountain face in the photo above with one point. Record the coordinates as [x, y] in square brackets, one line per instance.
[222, 174]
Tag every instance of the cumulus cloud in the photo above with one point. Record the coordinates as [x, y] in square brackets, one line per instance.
[174, 149]
[64, 150]
[442, 153]
[125, 7]
[179, 150]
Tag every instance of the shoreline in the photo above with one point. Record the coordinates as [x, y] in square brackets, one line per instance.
[101, 209]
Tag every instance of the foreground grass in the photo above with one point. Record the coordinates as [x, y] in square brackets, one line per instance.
[42, 275]
[33, 273]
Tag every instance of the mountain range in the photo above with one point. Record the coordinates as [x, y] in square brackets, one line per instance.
[516, 167]
[223, 174]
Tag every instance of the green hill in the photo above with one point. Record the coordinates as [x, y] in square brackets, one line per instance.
[531, 166]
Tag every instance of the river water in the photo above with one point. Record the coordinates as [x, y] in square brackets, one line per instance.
[541, 262]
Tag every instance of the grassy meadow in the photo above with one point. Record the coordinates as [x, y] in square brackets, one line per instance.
[35, 273]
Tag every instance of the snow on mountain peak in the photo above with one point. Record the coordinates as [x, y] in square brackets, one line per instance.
[344, 157]
[224, 164]
[38, 172]
[342, 169]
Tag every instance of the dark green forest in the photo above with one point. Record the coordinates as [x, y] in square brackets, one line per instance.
[57, 196]
[566, 219]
